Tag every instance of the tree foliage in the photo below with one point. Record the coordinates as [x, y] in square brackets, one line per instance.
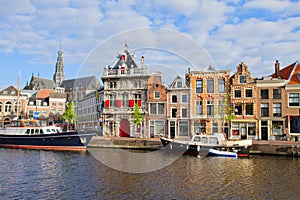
[70, 115]
[137, 115]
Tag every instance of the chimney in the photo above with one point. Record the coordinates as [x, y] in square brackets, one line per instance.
[142, 61]
[277, 69]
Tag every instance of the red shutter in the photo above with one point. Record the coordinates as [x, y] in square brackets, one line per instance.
[119, 103]
[131, 103]
[139, 102]
[107, 103]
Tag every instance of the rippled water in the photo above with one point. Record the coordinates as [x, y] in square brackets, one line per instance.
[35, 174]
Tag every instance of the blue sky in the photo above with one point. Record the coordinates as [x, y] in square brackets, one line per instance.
[197, 32]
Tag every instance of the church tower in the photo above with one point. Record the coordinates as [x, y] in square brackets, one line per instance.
[59, 75]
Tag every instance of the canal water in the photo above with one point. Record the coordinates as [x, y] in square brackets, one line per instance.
[37, 174]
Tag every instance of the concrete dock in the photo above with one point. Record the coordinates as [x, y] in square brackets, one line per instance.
[259, 147]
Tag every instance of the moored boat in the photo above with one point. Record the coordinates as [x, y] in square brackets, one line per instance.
[28, 134]
[204, 144]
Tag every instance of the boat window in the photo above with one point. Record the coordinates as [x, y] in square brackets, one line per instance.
[48, 130]
[26, 123]
[197, 139]
[41, 131]
[37, 131]
[27, 131]
[213, 140]
[32, 131]
[204, 139]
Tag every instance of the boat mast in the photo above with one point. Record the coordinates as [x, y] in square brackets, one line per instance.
[18, 98]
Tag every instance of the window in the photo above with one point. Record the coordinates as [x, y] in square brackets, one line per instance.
[199, 86]
[60, 111]
[137, 99]
[264, 94]
[238, 109]
[125, 100]
[199, 108]
[0, 106]
[179, 84]
[277, 109]
[52, 110]
[184, 98]
[210, 108]
[44, 113]
[243, 79]
[249, 109]
[294, 99]
[156, 95]
[174, 98]
[183, 128]
[295, 124]
[215, 127]
[197, 128]
[174, 112]
[264, 109]
[221, 108]
[157, 128]
[221, 85]
[248, 92]
[210, 86]
[7, 107]
[113, 99]
[276, 94]
[157, 108]
[237, 93]
[184, 113]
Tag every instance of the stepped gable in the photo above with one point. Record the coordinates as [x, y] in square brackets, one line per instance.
[125, 60]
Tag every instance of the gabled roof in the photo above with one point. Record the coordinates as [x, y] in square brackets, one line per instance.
[37, 83]
[210, 68]
[125, 59]
[174, 85]
[90, 82]
[291, 73]
[10, 90]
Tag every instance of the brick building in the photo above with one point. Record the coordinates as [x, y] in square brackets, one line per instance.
[178, 108]
[157, 106]
[243, 100]
[209, 89]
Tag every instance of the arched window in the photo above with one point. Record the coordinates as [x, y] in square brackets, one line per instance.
[0, 106]
[7, 107]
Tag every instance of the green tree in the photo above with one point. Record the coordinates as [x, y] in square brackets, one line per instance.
[137, 115]
[70, 115]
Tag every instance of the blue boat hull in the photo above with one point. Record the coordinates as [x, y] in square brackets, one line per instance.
[56, 141]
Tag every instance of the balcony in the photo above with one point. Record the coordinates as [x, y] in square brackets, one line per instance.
[108, 73]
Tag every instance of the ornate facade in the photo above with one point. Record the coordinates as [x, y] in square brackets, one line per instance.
[125, 84]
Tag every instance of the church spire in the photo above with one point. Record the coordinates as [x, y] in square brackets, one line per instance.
[59, 75]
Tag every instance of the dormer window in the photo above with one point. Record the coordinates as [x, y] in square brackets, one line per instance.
[243, 79]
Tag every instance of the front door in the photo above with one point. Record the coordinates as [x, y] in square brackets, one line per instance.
[264, 133]
[172, 129]
[124, 128]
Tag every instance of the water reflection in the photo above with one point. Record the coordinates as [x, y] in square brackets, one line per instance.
[26, 174]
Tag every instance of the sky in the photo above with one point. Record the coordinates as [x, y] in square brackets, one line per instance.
[172, 36]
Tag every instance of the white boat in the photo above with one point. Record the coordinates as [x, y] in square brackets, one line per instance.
[205, 144]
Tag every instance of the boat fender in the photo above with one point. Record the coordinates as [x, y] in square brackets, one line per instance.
[198, 148]
[187, 146]
[170, 146]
